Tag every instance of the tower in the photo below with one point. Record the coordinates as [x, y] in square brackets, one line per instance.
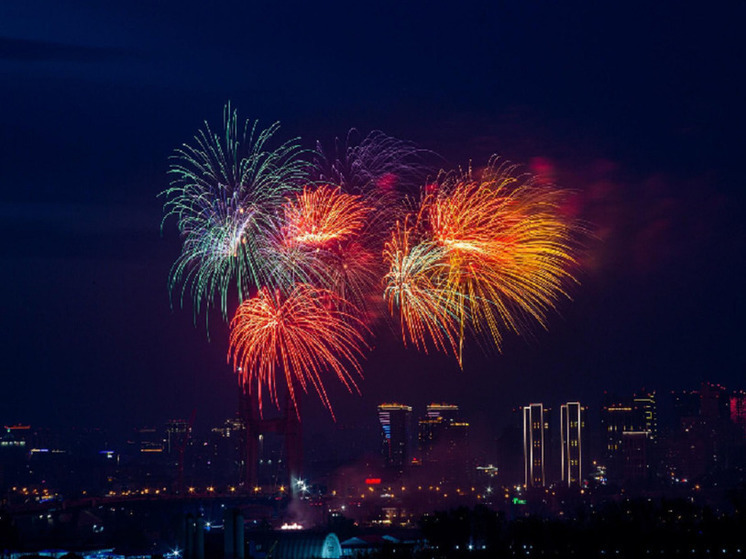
[647, 414]
[535, 439]
[396, 432]
[441, 425]
[444, 443]
[572, 428]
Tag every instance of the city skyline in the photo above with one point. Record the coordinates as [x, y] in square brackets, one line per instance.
[404, 436]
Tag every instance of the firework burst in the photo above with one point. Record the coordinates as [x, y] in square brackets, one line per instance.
[376, 164]
[505, 255]
[224, 191]
[324, 217]
[298, 337]
[324, 239]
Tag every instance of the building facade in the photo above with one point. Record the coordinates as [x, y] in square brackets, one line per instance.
[396, 434]
[572, 430]
[535, 444]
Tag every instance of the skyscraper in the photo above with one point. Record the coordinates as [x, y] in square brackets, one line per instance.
[535, 439]
[444, 443]
[619, 417]
[178, 432]
[616, 418]
[396, 433]
[572, 429]
[440, 426]
[646, 414]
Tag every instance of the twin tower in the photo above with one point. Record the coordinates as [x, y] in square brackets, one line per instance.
[538, 446]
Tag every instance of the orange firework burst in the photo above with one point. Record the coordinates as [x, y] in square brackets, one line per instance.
[301, 336]
[506, 253]
[324, 239]
[319, 218]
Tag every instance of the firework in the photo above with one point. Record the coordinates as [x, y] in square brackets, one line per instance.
[382, 169]
[299, 338]
[224, 192]
[376, 164]
[416, 285]
[324, 239]
[324, 217]
[505, 255]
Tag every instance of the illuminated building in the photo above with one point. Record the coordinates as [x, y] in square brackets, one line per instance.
[444, 443]
[646, 412]
[441, 424]
[620, 416]
[177, 434]
[535, 443]
[447, 412]
[714, 402]
[706, 441]
[572, 429]
[616, 418]
[226, 444]
[396, 433]
[148, 440]
[15, 436]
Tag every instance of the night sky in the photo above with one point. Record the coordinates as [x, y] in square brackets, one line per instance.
[635, 108]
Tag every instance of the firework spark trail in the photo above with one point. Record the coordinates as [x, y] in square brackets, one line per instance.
[509, 247]
[415, 284]
[376, 163]
[301, 336]
[224, 191]
[323, 217]
[506, 253]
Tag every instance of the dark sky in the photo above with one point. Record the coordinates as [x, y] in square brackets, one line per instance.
[637, 108]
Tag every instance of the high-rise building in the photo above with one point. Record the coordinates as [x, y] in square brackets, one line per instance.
[440, 426]
[443, 438]
[646, 412]
[714, 402]
[396, 433]
[706, 439]
[535, 444]
[448, 412]
[178, 432]
[572, 430]
[617, 417]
